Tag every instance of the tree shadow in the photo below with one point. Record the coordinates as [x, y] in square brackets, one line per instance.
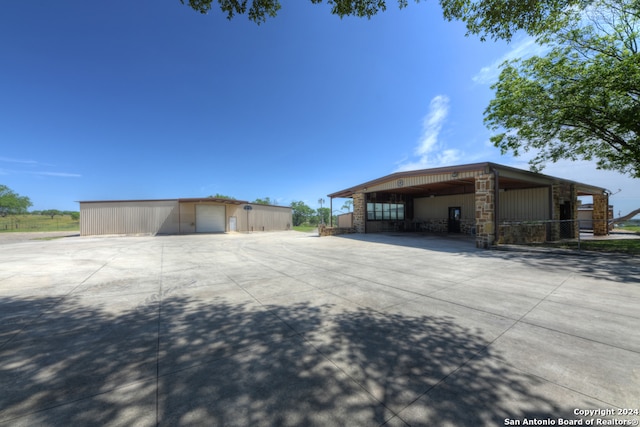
[186, 361]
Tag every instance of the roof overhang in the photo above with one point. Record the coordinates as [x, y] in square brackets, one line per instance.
[213, 199]
[459, 180]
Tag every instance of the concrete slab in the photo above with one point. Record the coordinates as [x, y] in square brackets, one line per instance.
[291, 329]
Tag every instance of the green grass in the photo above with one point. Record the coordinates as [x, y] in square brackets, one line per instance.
[634, 228]
[305, 228]
[26, 223]
[626, 246]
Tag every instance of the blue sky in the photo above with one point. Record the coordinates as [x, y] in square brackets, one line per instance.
[149, 99]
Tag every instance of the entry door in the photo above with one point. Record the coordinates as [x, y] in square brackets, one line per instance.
[454, 219]
[210, 219]
[566, 223]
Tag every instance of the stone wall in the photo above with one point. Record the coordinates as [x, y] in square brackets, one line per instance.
[561, 194]
[522, 233]
[359, 212]
[441, 225]
[485, 210]
[600, 220]
[334, 231]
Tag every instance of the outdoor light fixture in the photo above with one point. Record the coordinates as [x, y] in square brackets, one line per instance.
[454, 174]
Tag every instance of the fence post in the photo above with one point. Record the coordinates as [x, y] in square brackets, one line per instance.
[578, 234]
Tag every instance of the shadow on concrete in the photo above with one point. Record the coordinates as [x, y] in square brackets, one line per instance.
[606, 266]
[183, 361]
[441, 242]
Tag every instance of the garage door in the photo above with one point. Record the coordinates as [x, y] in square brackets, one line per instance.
[210, 218]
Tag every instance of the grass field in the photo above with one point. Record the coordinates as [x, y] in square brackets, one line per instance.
[25, 223]
[305, 228]
[625, 246]
[634, 228]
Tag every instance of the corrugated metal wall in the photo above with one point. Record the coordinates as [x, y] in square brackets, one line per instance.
[187, 217]
[261, 217]
[426, 208]
[345, 220]
[514, 205]
[129, 217]
[524, 205]
[170, 217]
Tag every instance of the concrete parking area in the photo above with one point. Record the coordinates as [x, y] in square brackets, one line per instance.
[294, 330]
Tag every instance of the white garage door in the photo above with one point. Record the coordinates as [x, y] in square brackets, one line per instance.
[210, 218]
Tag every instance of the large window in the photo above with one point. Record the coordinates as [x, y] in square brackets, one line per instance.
[385, 211]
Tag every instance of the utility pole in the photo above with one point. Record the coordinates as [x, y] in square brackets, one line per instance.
[321, 202]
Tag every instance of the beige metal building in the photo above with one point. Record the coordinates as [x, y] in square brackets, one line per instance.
[481, 199]
[180, 216]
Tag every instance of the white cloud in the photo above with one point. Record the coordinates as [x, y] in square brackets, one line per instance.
[10, 160]
[430, 150]
[432, 124]
[59, 174]
[524, 48]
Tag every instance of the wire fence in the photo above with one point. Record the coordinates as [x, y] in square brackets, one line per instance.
[26, 223]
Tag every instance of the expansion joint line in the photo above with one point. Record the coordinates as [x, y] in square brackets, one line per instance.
[160, 280]
[484, 348]
[55, 303]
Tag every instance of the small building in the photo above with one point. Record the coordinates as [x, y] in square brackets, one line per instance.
[585, 215]
[481, 199]
[180, 216]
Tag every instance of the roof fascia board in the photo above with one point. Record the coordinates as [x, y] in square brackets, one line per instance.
[481, 167]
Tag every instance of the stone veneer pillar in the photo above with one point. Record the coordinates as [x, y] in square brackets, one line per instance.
[485, 210]
[359, 212]
[600, 211]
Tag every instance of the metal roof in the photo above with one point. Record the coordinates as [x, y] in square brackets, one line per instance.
[517, 178]
[183, 200]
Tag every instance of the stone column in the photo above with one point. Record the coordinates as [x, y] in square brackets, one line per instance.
[554, 230]
[359, 212]
[485, 210]
[600, 211]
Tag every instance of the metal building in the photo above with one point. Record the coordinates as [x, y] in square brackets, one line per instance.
[180, 216]
[480, 199]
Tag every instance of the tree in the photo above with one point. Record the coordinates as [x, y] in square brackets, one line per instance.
[51, 212]
[582, 99]
[301, 212]
[12, 203]
[325, 215]
[347, 205]
[492, 18]
[265, 201]
[222, 196]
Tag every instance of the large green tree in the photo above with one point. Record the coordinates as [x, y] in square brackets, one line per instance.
[487, 18]
[301, 212]
[581, 100]
[12, 203]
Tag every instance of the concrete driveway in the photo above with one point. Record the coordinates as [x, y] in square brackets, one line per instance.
[290, 329]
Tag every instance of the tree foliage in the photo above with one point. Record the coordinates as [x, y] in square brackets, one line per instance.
[582, 99]
[324, 215]
[301, 212]
[222, 196]
[497, 19]
[265, 201]
[501, 19]
[51, 212]
[12, 203]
